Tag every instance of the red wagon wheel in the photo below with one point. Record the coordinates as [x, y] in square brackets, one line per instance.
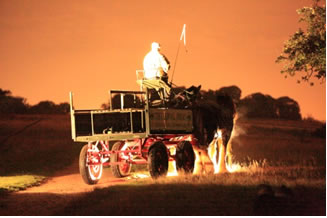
[185, 157]
[90, 165]
[158, 160]
[124, 167]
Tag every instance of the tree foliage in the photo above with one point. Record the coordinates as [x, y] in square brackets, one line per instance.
[305, 51]
[17, 105]
[10, 104]
[233, 91]
[49, 107]
[258, 105]
[130, 101]
[288, 109]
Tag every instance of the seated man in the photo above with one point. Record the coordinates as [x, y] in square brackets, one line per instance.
[156, 67]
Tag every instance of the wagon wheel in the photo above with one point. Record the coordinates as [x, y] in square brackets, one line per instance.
[158, 160]
[124, 168]
[91, 174]
[185, 157]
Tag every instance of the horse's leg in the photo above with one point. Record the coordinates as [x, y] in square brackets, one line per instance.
[228, 135]
[225, 135]
[209, 167]
[213, 153]
[203, 163]
[222, 163]
[198, 165]
[229, 155]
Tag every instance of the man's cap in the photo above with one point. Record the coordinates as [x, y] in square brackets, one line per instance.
[155, 46]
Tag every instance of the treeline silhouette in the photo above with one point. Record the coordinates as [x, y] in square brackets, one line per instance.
[17, 105]
[255, 105]
[258, 105]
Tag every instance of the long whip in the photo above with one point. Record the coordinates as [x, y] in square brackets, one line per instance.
[179, 45]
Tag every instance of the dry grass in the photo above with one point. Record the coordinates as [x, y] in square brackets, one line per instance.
[16, 183]
[283, 143]
[279, 154]
[275, 153]
[39, 149]
[226, 194]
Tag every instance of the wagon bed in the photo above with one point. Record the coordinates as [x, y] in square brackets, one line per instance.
[142, 135]
[128, 123]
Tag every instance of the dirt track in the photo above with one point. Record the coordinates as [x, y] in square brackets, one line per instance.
[54, 194]
[67, 187]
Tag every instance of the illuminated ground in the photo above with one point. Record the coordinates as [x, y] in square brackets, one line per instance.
[225, 194]
[279, 154]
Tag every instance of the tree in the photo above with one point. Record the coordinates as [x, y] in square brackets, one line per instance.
[288, 109]
[258, 105]
[209, 95]
[4, 93]
[305, 51]
[63, 108]
[11, 104]
[129, 102]
[43, 107]
[233, 91]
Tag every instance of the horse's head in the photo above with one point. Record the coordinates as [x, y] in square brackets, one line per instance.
[192, 93]
[187, 97]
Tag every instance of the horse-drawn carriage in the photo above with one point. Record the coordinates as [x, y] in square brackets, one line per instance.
[145, 132]
[121, 137]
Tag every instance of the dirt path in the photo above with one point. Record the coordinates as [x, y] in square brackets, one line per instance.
[54, 194]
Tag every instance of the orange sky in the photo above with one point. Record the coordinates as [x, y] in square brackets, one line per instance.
[49, 48]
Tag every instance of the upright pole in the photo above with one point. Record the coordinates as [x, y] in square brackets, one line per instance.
[179, 44]
[172, 76]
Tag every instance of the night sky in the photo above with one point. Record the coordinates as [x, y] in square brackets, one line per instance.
[49, 48]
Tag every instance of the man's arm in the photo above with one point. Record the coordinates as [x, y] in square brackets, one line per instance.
[164, 63]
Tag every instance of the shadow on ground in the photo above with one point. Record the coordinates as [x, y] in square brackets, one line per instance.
[171, 199]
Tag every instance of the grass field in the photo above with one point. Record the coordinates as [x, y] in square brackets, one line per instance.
[279, 143]
[33, 147]
[282, 156]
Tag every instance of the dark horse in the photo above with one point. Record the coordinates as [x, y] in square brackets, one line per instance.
[213, 122]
